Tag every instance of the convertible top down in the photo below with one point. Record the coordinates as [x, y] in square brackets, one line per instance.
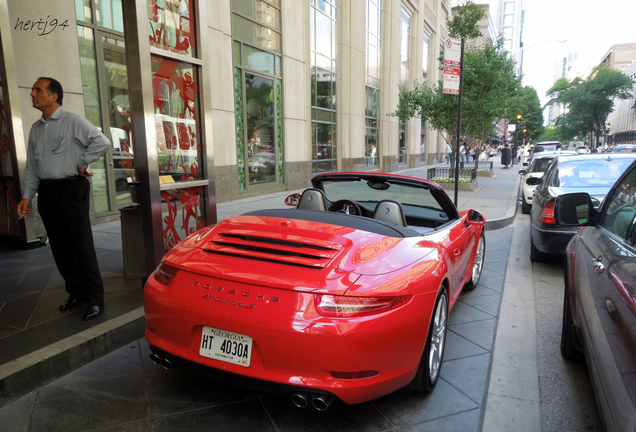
[345, 296]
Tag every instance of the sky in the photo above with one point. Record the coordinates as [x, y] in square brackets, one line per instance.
[590, 27]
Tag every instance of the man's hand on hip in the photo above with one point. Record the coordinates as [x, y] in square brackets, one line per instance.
[84, 172]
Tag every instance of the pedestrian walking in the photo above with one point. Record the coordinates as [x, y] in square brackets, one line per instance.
[449, 151]
[61, 147]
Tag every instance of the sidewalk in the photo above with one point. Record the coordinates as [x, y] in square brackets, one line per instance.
[38, 344]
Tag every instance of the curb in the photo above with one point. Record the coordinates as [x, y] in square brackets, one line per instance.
[33, 370]
[509, 218]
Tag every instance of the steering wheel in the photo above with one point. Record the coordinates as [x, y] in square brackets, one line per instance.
[346, 206]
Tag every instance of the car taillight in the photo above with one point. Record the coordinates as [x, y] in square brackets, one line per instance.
[345, 307]
[165, 273]
[547, 214]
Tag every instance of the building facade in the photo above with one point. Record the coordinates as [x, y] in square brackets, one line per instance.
[207, 102]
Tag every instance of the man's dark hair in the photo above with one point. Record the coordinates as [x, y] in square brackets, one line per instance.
[54, 87]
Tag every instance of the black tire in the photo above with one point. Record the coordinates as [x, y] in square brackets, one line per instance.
[433, 355]
[535, 254]
[478, 264]
[525, 207]
[568, 345]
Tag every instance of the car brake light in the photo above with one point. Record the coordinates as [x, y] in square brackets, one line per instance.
[346, 307]
[165, 273]
[547, 214]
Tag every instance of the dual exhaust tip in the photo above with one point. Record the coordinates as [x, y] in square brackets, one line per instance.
[319, 401]
[301, 400]
[162, 361]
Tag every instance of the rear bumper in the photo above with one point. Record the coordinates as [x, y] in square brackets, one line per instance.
[552, 240]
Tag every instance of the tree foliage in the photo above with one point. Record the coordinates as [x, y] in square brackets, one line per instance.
[589, 102]
[464, 21]
[490, 85]
[526, 102]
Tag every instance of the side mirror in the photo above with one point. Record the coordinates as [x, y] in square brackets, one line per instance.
[525, 164]
[573, 209]
[475, 216]
[293, 200]
[533, 181]
[523, 172]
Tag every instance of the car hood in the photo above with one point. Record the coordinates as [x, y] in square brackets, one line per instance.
[288, 253]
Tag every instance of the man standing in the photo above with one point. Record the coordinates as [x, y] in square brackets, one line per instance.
[61, 146]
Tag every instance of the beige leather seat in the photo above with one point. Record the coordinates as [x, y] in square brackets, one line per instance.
[312, 199]
[390, 211]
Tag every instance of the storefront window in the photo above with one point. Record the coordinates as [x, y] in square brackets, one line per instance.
[9, 193]
[171, 25]
[105, 88]
[372, 127]
[116, 81]
[259, 109]
[258, 90]
[372, 92]
[323, 85]
[176, 102]
[93, 112]
[182, 215]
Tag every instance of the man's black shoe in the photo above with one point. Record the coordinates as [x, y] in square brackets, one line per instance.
[91, 312]
[72, 301]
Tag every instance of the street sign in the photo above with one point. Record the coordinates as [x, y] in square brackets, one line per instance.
[452, 64]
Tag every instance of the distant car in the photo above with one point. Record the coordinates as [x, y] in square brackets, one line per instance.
[536, 169]
[591, 173]
[582, 150]
[346, 296]
[599, 308]
[625, 148]
[551, 152]
[545, 146]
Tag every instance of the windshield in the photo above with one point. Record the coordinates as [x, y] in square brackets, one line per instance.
[363, 190]
[541, 165]
[545, 147]
[589, 173]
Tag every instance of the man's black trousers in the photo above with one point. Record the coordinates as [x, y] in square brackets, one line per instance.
[64, 208]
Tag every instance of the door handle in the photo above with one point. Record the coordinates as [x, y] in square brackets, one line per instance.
[597, 265]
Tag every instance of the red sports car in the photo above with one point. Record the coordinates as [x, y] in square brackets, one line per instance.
[345, 296]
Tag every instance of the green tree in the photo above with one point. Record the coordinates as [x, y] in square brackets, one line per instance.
[526, 102]
[589, 102]
[490, 89]
[490, 82]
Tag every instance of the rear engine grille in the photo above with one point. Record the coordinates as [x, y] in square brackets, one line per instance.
[301, 253]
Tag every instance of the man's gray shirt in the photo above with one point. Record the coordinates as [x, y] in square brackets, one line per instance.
[58, 146]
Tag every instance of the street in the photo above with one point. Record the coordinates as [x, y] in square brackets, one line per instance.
[567, 400]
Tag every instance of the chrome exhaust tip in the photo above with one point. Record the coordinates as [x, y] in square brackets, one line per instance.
[155, 358]
[321, 402]
[300, 400]
[166, 363]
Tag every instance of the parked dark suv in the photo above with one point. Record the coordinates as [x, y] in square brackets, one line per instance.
[599, 309]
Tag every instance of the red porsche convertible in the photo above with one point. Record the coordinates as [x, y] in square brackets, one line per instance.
[345, 296]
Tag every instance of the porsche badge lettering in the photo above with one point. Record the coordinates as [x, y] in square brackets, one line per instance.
[234, 292]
